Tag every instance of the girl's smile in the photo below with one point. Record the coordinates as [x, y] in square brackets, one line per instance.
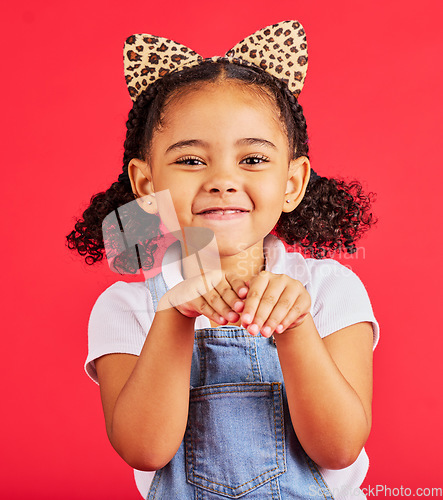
[223, 214]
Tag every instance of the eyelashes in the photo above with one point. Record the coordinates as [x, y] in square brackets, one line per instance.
[261, 158]
[255, 160]
[184, 161]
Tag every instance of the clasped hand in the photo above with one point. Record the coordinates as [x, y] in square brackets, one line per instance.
[266, 303]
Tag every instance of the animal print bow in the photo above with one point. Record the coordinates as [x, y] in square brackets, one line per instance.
[279, 49]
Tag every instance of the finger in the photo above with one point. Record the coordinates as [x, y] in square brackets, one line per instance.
[215, 295]
[237, 284]
[241, 291]
[271, 297]
[203, 284]
[280, 310]
[256, 290]
[295, 316]
[203, 307]
[216, 300]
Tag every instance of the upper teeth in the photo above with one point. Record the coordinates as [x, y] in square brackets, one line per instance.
[222, 211]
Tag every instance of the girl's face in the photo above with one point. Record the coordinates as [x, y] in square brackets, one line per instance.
[224, 157]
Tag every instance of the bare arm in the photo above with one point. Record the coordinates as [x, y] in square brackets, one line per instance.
[145, 399]
[329, 389]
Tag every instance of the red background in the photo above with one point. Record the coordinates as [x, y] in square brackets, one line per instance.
[372, 101]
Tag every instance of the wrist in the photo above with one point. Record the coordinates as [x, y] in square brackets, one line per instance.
[164, 304]
[297, 329]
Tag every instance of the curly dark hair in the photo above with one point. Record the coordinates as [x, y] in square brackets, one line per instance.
[332, 215]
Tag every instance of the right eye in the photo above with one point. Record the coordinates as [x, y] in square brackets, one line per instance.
[188, 160]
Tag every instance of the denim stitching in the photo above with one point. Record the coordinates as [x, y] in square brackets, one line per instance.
[275, 488]
[312, 466]
[190, 445]
[275, 423]
[154, 485]
[155, 285]
[246, 491]
[272, 490]
[156, 294]
[202, 359]
[257, 364]
[210, 335]
[222, 336]
[282, 423]
[235, 385]
[275, 426]
[151, 285]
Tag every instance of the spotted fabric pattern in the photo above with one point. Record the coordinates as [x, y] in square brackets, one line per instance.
[279, 49]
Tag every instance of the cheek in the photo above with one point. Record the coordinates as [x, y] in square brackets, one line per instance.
[166, 186]
[173, 203]
[270, 193]
[167, 209]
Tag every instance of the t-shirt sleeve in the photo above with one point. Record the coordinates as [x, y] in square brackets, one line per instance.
[339, 299]
[118, 323]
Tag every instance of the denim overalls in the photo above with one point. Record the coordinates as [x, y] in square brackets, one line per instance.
[239, 440]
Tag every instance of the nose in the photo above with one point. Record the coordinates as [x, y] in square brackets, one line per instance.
[221, 180]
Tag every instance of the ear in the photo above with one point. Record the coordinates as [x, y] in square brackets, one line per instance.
[140, 175]
[299, 173]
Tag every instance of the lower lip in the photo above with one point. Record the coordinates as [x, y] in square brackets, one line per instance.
[236, 215]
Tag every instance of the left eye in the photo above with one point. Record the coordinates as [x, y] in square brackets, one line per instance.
[255, 160]
[187, 161]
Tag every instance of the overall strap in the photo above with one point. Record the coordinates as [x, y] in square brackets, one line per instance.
[157, 286]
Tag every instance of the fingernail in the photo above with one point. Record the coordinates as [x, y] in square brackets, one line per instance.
[253, 329]
[238, 305]
[232, 316]
[266, 331]
[243, 290]
[279, 328]
[247, 318]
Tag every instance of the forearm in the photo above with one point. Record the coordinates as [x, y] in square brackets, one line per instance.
[327, 414]
[151, 411]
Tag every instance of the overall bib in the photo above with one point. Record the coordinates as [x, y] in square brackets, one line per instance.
[239, 440]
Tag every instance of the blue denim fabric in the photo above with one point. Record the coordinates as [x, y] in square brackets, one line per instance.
[239, 440]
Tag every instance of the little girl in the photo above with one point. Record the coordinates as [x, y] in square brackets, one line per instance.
[239, 370]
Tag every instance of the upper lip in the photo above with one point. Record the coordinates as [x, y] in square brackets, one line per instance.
[230, 207]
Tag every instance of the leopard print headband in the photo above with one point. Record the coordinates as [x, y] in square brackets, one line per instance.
[279, 49]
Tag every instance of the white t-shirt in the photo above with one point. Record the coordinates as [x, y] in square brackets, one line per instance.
[121, 317]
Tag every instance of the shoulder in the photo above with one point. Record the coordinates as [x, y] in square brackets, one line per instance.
[121, 303]
[122, 295]
[119, 322]
[327, 273]
[318, 273]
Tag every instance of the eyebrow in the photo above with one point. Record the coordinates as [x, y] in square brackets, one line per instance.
[248, 141]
